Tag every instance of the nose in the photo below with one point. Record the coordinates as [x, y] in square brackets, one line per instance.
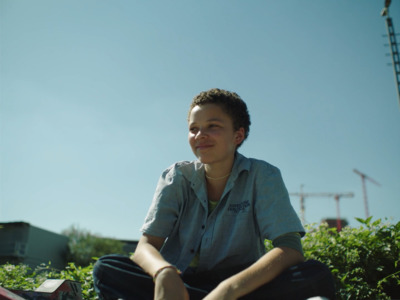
[201, 133]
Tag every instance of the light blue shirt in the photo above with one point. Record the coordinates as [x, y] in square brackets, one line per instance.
[254, 206]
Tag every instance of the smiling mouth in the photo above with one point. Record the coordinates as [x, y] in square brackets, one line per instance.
[203, 147]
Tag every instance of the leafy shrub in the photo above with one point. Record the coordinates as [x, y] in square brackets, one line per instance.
[76, 273]
[83, 246]
[21, 277]
[364, 261]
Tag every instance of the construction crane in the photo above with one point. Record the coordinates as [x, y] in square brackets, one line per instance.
[336, 196]
[393, 46]
[363, 178]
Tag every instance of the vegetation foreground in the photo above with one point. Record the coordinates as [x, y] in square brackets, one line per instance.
[364, 261]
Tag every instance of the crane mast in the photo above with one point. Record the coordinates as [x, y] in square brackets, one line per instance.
[393, 46]
[336, 196]
[363, 178]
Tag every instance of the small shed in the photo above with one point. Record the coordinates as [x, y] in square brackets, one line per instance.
[21, 242]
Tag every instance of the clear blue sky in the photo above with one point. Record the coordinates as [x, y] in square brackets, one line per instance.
[94, 98]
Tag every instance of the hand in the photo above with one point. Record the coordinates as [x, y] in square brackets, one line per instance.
[169, 286]
[222, 292]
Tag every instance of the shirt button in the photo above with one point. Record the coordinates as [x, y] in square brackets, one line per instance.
[202, 227]
[191, 250]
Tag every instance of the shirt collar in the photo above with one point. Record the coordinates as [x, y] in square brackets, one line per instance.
[196, 176]
[240, 164]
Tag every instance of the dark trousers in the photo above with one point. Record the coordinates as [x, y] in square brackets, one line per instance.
[118, 277]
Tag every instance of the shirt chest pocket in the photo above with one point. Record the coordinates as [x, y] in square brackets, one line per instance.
[238, 210]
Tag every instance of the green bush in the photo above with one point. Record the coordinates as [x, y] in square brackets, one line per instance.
[364, 261]
[84, 245]
[21, 277]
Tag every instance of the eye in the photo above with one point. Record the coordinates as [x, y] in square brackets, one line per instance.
[193, 129]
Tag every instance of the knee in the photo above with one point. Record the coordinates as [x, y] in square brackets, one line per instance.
[113, 263]
[97, 268]
[101, 264]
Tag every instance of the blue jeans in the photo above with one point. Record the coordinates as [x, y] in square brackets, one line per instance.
[118, 277]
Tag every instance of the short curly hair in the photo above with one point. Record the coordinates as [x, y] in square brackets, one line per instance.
[230, 103]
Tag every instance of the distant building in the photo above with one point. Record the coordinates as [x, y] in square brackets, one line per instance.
[333, 223]
[21, 242]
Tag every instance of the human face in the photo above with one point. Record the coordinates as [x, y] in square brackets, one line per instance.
[211, 135]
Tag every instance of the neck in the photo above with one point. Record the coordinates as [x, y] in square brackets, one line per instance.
[218, 178]
[218, 173]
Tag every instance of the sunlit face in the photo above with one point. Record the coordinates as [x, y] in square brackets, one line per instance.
[211, 134]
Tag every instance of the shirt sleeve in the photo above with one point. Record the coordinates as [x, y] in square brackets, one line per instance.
[274, 212]
[291, 240]
[165, 207]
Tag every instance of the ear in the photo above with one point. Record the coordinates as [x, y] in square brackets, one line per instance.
[239, 136]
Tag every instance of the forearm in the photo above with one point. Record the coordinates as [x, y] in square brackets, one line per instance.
[263, 271]
[168, 283]
[148, 257]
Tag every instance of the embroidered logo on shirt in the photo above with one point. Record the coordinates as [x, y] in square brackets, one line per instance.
[240, 207]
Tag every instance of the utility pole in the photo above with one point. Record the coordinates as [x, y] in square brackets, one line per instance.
[393, 46]
[336, 196]
[363, 177]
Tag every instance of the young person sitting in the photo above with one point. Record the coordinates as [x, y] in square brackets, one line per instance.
[203, 236]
